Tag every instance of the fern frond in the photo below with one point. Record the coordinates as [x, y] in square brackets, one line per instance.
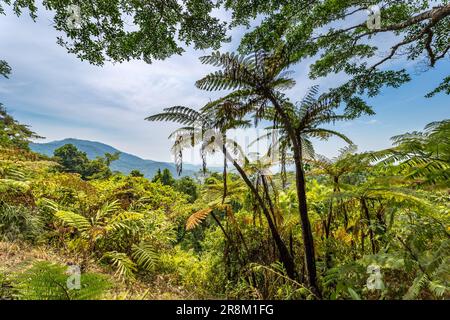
[419, 283]
[49, 281]
[122, 220]
[49, 204]
[438, 288]
[125, 267]
[145, 256]
[179, 114]
[325, 134]
[73, 220]
[107, 209]
[195, 219]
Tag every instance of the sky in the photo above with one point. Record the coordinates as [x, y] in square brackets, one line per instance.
[60, 96]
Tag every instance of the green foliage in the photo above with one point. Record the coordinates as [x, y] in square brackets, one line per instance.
[187, 186]
[164, 177]
[443, 87]
[423, 156]
[125, 267]
[48, 281]
[159, 29]
[5, 69]
[332, 33]
[136, 174]
[12, 133]
[197, 274]
[242, 236]
[74, 161]
[362, 213]
[20, 223]
[7, 291]
[145, 256]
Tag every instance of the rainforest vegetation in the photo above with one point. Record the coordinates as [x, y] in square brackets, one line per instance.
[290, 224]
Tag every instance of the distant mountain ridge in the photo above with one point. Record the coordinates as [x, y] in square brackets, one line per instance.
[126, 163]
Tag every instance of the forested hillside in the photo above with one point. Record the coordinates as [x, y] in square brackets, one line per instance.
[125, 164]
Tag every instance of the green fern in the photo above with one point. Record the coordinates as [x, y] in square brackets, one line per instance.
[123, 220]
[74, 220]
[145, 256]
[20, 223]
[125, 267]
[48, 281]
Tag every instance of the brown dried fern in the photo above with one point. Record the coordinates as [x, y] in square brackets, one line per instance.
[196, 218]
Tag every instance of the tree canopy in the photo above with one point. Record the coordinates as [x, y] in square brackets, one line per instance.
[335, 34]
[5, 69]
[74, 161]
[122, 30]
[13, 133]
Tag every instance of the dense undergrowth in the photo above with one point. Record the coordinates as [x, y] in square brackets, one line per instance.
[137, 239]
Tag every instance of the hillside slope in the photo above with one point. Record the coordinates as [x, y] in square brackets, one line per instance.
[126, 163]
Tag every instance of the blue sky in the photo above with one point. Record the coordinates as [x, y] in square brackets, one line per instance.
[61, 97]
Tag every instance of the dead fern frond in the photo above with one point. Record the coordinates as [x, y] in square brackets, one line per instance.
[195, 219]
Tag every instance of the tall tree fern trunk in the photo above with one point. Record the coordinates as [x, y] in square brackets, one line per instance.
[308, 242]
[327, 235]
[285, 257]
[224, 150]
[369, 224]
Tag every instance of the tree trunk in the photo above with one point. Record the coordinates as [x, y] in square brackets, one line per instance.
[300, 183]
[269, 200]
[327, 236]
[285, 257]
[369, 223]
[221, 227]
[308, 241]
[224, 150]
[328, 221]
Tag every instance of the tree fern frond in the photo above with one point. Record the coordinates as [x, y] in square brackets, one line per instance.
[195, 219]
[309, 98]
[179, 114]
[325, 134]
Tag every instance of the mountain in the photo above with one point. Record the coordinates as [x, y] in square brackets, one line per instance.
[126, 163]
